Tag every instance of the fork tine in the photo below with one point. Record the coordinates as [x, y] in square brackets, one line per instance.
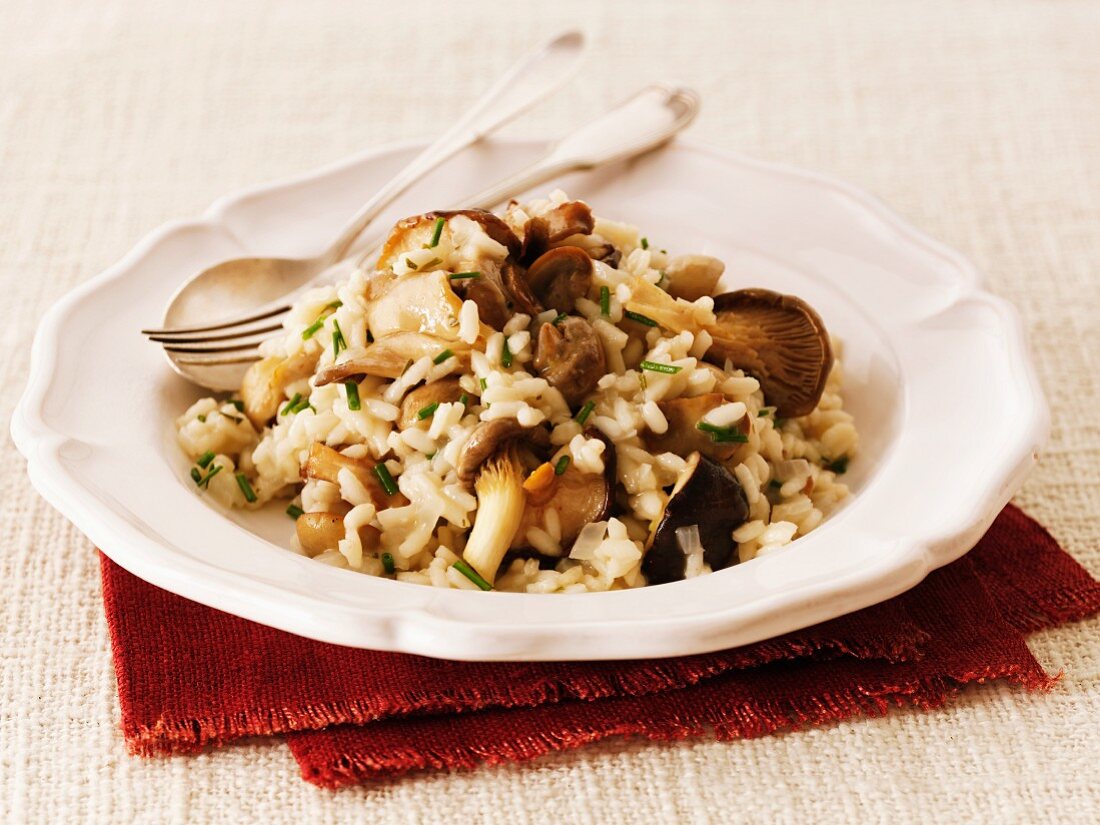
[244, 345]
[199, 338]
[227, 324]
[217, 360]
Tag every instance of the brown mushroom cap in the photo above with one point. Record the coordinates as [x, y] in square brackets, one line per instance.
[487, 439]
[708, 496]
[554, 226]
[325, 464]
[683, 436]
[570, 356]
[443, 391]
[777, 338]
[388, 357]
[561, 276]
[414, 232]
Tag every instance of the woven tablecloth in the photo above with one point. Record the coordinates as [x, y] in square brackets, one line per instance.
[977, 121]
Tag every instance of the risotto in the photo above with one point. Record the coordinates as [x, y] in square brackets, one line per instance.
[540, 401]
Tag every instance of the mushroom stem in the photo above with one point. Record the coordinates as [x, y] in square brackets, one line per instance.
[500, 503]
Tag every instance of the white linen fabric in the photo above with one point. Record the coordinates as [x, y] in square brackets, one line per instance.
[977, 121]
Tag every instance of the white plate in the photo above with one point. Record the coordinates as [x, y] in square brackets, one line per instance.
[937, 376]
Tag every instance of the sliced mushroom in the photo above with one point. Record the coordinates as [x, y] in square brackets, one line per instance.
[416, 302]
[683, 435]
[561, 276]
[555, 225]
[607, 253]
[318, 532]
[578, 498]
[488, 438]
[443, 391]
[263, 386]
[705, 495]
[416, 233]
[388, 357]
[325, 464]
[780, 340]
[570, 356]
[515, 281]
[692, 276]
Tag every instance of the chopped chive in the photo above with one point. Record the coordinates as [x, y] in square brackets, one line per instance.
[722, 435]
[302, 405]
[653, 366]
[236, 402]
[443, 356]
[437, 233]
[464, 400]
[463, 276]
[431, 263]
[471, 574]
[840, 466]
[246, 488]
[294, 511]
[584, 412]
[763, 413]
[205, 459]
[560, 317]
[505, 355]
[410, 264]
[605, 300]
[428, 411]
[562, 465]
[641, 319]
[309, 331]
[196, 476]
[642, 382]
[352, 390]
[388, 484]
[645, 243]
[429, 456]
[334, 304]
[291, 404]
[338, 340]
[205, 480]
[202, 419]
[664, 251]
[387, 563]
[484, 384]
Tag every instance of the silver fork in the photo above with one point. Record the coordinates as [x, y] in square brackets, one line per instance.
[217, 355]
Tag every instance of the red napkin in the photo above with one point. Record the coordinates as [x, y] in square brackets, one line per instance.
[190, 676]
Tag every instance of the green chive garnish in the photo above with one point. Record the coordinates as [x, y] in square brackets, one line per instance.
[428, 411]
[387, 563]
[431, 263]
[291, 404]
[722, 435]
[196, 476]
[353, 395]
[205, 459]
[294, 511]
[443, 356]
[605, 300]
[437, 233]
[561, 317]
[388, 484]
[236, 402]
[505, 355]
[483, 383]
[464, 400]
[562, 465]
[471, 574]
[309, 331]
[653, 366]
[302, 405]
[338, 340]
[334, 305]
[641, 319]
[202, 419]
[205, 480]
[246, 488]
[764, 412]
[645, 243]
[410, 264]
[840, 466]
[584, 412]
[463, 276]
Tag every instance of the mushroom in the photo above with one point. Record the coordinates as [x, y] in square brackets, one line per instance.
[683, 435]
[707, 496]
[555, 225]
[443, 391]
[325, 464]
[559, 277]
[264, 383]
[318, 532]
[416, 233]
[692, 276]
[570, 356]
[780, 340]
[416, 302]
[389, 357]
[579, 498]
[490, 458]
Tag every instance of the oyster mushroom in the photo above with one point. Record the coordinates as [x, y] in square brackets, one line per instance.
[559, 277]
[692, 276]
[416, 233]
[443, 391]
[262, 389]
[388, 357]
[325, 464]
[318, 532]
[707, 496]
[416, 302]
[780, 340]
[570, 356]
[490, 458]
[683, 435]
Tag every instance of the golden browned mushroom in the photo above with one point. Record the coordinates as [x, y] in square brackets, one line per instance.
[488, 438]
[692, 276]
[263, 386]
[570, 356]
[443, 391]
[555, 225]
[325, 464]
[778, 339]
[416, 232]
[389, 356]
[708, 497]
[318, 532]
[559, 277]
[416, 302]
[683, 435]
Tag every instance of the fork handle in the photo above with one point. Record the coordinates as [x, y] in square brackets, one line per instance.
[526, 82]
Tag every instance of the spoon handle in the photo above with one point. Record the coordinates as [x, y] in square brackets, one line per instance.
[526, 82]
